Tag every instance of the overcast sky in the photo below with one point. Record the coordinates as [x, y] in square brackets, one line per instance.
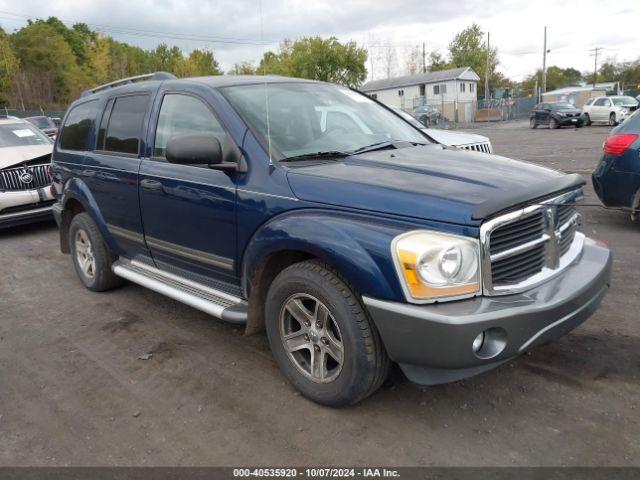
[237, 31]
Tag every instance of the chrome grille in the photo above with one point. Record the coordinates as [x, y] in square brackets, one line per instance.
[477, 147]
[12, 178]
[523, 248]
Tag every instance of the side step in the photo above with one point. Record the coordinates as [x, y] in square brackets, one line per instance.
[214, 302]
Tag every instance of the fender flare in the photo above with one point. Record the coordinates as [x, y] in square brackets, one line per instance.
[77, 190]
[356, 247]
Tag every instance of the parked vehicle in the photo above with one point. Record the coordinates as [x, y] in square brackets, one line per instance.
[610, 110]
[616, 179]
[556, 115]
[352, 249]
[25, 155]
[463, 140]
[428, 115]
[45, 124]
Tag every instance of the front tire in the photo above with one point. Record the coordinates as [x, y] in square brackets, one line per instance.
[532, 123]
[612, 120]
[91, 258]
[553, 124]
[322, 337]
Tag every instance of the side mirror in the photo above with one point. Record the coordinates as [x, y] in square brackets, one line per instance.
[199, 149]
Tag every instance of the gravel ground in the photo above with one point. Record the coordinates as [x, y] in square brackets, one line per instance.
[74, 391]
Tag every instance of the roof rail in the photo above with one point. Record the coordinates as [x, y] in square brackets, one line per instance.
[125, 81]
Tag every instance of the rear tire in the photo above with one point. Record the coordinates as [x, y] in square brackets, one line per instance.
[321, 336]
[91, 257]
[532, 123]
[587, 120]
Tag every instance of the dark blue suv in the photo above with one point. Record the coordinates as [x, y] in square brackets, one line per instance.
[315, 212]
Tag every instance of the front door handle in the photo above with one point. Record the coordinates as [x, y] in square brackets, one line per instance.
[150, 184]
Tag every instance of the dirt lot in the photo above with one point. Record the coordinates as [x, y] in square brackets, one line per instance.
[74, 392]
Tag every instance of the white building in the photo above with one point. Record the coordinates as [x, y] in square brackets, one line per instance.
[446, 86]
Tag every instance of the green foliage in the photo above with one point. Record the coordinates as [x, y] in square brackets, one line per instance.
[49, 71]
[436, 62]
[556, 78]
[9, 65]
[318, 59]
[469, 49]
[242, 68]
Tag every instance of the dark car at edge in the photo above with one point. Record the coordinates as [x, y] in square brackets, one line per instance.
[313, 212]
[556, 115]
[616, 179]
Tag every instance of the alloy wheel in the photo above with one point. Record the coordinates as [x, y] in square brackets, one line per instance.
[84, 254]
[311, 338]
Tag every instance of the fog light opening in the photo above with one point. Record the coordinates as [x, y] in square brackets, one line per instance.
[490, 343]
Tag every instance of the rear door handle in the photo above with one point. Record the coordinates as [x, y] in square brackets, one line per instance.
[150, 184]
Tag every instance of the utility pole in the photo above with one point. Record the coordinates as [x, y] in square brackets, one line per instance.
[486, 74]
[544, 62]
[424, 58]
[595, 66]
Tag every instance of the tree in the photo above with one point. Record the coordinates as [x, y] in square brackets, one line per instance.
[242, 68]
[9, 66]
[414, 61]
[98, 61]
[49, 73]
[436, 62]
[199, 63]
[318, 59]
[469, 49]
[556, 78]
[389, 60]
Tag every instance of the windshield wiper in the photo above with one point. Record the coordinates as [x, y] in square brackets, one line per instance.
[384, 145]
[316, 155]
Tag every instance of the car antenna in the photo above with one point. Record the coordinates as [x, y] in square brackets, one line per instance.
[266, 94]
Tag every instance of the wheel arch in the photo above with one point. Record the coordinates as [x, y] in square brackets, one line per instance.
[336, 241]
[77, 198]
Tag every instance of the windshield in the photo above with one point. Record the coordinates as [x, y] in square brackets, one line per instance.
[309, 118]
[562, 106]
[20, 135]
[624, 101]
[41, 122]
[409, 118]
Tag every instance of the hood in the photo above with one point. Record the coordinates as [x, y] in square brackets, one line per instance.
[569, 110]
[455, 138]
[11, 156]
[429, 182]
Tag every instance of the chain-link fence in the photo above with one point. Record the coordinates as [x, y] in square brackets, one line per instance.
[434, 113]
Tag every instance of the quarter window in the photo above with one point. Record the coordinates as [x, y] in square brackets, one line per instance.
[125, 124]
[75, 130]
[182, 115]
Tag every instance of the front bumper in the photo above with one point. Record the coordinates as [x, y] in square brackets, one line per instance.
[433, 343]
[25, 206]
[567, 121]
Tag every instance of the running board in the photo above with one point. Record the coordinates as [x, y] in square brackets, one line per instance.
[214, 302]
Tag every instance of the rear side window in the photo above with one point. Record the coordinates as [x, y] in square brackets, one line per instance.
[125, 124]
[75, 131]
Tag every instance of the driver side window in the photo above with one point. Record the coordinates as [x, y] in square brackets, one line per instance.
[184, 115]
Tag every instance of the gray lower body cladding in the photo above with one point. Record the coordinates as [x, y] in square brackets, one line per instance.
[433, 343]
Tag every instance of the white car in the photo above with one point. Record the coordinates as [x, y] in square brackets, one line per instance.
[466, 141]
[610, 110]
[25, 181]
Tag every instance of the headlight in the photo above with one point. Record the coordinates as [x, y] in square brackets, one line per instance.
[434, 265]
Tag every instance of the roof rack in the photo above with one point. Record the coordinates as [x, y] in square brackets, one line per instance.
[125, 81]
